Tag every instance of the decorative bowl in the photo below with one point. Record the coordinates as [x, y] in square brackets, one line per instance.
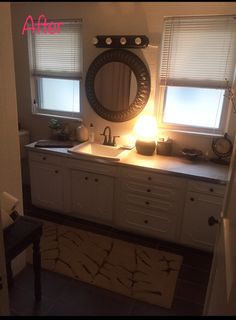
[191, 154]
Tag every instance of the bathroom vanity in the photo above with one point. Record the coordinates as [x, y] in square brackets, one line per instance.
[169, 198]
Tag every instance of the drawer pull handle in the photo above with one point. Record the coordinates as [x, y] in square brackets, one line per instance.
[211, 189]
[44, 158]
[86, 178]
[192, 199]
[147, 202]
[212, 220]
[149, 178]
[146, 221]
[148, 190]
[96, 180]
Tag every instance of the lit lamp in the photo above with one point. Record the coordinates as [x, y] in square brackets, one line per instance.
[146, 131]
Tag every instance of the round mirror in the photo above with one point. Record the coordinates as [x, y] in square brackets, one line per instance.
[117, 85]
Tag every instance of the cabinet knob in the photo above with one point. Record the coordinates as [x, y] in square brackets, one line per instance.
[149, 178]
[145, 221]
[56, 171]
[147, 202]
[44, 158]
[211, 189]
[86, 178]
[191, 199]
[96, 180]
[148, 190]
[212, 220]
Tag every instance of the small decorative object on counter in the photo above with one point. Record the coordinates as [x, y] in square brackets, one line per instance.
[82, 134]
[56, 128]
[146, 148]
[192, 154]
[91, 133]
[164, 147]
[145, 130]
[70, 129]
[54, 124]
[222, 148]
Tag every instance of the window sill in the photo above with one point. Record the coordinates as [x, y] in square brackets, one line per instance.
[47, 115]
[194, 133]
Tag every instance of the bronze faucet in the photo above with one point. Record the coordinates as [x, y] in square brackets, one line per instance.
[108, 141]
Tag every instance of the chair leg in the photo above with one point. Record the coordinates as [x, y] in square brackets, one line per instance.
[37, 269]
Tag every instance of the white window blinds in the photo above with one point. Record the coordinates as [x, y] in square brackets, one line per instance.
[57, 55]
[198, 51]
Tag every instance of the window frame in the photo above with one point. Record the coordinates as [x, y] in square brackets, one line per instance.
[37, 109]
[191, 129]
[35, 82]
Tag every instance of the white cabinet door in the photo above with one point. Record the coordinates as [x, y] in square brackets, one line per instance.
[46, 185]
[92, 195]
[196, 230]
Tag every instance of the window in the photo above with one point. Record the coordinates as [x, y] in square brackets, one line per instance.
[56, 69]
[197, 59]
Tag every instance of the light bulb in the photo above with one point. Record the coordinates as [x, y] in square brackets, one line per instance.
[95, 40]
[123, 40]
[138, 40]
[108, 41]
[146, 128]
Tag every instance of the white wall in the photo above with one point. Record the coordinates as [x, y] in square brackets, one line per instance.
[10, 172]
[108, 18]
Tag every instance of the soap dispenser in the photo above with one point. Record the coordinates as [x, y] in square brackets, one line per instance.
[82, 134]
[91, 133]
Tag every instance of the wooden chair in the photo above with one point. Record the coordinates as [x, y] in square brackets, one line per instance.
[17, 237]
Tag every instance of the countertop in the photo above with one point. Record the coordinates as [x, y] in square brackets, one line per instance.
[179, 166]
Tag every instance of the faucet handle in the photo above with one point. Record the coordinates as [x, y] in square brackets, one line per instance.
[114, 140]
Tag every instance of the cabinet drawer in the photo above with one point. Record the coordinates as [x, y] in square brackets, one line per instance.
[206, 187]
[156, 225]
[152, 177]
[147, 203]
[148, 189]
[45, 158]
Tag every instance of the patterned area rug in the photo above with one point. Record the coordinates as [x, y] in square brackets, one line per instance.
[133, 270]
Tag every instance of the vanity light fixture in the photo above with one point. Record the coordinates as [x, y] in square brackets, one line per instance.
[122, 41]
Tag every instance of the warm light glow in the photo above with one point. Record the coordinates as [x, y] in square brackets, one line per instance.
[95, 40]
[138, 41]
[146, 128]
[123, 40]
[108, 40]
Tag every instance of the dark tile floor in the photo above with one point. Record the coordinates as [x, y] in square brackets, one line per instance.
[66, 296]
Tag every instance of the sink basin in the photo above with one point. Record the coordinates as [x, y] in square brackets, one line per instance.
[99, 151]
